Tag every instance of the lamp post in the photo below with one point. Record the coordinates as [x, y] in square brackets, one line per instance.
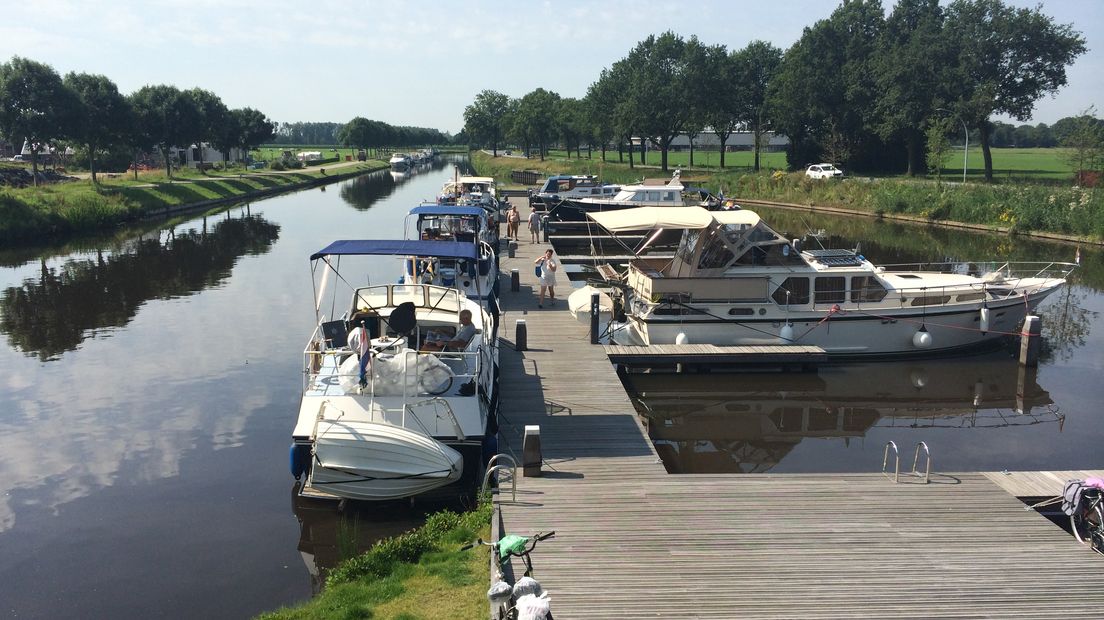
[966, 150]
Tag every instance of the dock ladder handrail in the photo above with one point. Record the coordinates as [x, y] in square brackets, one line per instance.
[896, 461]
[493, 469]
[927, 459]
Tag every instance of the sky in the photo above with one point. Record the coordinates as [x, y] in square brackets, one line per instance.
[420, 63]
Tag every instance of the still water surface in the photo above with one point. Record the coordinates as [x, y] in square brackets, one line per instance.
[151, 381]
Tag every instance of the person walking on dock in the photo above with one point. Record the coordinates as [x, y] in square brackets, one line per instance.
[534, 224]
[547, 267]
[513, 222]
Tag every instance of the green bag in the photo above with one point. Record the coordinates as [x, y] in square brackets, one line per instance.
[511, 543]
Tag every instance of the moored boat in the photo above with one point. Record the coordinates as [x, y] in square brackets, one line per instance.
[400, 390]
[735, 281]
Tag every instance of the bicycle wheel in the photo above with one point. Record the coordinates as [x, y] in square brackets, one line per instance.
[1096, 530]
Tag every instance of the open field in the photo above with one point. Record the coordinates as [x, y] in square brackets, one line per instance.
[1044, 164]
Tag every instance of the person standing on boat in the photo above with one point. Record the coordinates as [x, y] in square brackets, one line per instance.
[548, 267]
[534, 224]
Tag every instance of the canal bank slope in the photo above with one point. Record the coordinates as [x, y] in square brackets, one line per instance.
[50, 211]
[1056, 212]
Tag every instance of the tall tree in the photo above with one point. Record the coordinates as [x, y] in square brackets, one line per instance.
[35, 106]
[485, 117]
[103, 117]
[357, 132]
[536, 117]
[755, 67]
[723, 113]
[912, 69]
[214, 117]
[600, 102]
[1007, 58]
[166, 117]
[825, 91]
[660, 82]
[570, 123]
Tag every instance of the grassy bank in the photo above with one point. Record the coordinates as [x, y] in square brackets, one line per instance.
[1009, 165]
[1057, 209]
[34, 213]
[420, 574]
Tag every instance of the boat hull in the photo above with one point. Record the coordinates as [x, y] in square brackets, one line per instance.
[852, 334]
[377, 462]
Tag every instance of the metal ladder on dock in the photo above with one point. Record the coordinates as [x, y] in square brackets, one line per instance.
[493, 469]
[915, 460]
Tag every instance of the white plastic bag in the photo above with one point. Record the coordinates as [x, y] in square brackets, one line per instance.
[531, 607]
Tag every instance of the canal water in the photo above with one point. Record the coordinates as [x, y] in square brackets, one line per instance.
[151, 380]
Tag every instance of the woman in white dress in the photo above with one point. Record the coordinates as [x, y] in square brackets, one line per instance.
[548, 267]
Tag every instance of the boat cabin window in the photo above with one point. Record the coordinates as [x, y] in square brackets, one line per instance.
[715, 254]
[793, 291]
[830, 290]
[669, 196]
[866, 288]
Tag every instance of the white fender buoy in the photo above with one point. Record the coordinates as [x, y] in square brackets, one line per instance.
[681, 338]
[922, 339]
[983, 321]
[979, 389]
[786, 333]
[919, 378]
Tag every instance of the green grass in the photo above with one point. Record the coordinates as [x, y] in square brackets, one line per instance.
[33, 213]
[420, 574]
[1017, 165]
[1018, 207]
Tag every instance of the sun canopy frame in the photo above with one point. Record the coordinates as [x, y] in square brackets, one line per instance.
[393, 247]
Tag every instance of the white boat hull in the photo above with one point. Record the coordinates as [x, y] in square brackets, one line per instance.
[376, 462]
[876, 333]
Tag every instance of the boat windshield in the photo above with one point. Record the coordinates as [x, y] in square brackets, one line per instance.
[388, 296]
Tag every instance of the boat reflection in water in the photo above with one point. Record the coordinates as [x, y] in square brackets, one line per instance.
[331, 532]
[749, 423]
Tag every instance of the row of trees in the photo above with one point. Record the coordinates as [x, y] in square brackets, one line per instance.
[1040, 135]
[41, 107]
[359, 132]
[858, 88]
[363, 133]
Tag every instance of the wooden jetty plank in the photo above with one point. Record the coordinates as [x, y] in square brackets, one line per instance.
[1039, 483]
[633, 541]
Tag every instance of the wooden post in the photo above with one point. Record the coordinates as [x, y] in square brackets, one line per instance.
[594, 318]
[531, 451]
[520, 335]
[515, 281]
[1030, 340]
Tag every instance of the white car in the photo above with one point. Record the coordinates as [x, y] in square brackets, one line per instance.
[823, 171]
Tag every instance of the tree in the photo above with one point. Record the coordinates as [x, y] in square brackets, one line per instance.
[938, 144]
[536, 117]
[165, 117]
[358, 132]
[723, 113]
[754, 68]
[825, 90]
[103, 117]
[484, 118]
[599, 103]
[35, 106]
[570, 123]
[658, 86]
[1085, 144]
[214, 119]
[912, 68]
[1007, 58]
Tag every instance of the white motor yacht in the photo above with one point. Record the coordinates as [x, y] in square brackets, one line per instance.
[476, 275]
[648, 193]
[735, 281]
[394, 404]
[400, 161]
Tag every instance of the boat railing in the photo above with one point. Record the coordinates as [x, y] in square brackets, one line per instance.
[322, 367]
[1005, 269]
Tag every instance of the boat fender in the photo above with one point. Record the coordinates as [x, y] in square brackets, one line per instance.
[919, 378]
[681, 338]
[983, 321]
[787, 333]
[299, 458]
[922, 339]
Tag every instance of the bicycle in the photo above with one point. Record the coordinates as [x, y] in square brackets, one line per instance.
[1088, 517]
[525, 599]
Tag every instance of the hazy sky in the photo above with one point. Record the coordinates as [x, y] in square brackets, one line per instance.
[419, 62]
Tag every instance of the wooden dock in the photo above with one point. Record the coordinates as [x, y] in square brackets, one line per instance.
[635, 542]
[708, 354]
